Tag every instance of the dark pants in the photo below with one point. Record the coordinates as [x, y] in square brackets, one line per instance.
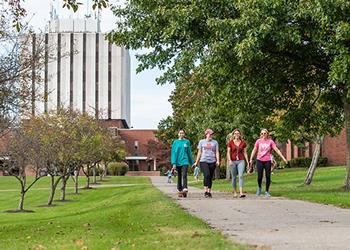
[261, 165]
[208, 170]
[181, 175]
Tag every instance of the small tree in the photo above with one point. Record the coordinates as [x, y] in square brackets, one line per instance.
[23, 154]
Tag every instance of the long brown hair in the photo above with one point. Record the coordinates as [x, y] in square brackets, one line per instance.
[233, 133]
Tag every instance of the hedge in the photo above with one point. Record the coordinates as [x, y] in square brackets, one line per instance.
[304, 162]
[117, 168]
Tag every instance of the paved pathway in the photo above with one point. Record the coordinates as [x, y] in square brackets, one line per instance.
[268, 223]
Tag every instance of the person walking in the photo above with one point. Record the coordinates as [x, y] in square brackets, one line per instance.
[236, 153]
[169, 173]
[181, 158]
[208, 158]
[263, 147]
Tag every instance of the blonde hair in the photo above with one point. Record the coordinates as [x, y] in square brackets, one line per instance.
[267, 133]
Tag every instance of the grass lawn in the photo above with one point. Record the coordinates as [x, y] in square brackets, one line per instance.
[133, 217]
[325, 188]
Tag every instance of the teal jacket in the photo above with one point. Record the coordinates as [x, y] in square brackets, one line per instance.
[181, 154]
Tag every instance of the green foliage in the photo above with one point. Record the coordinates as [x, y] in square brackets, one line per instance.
[304, 162]
[117, 168]
[246, 64]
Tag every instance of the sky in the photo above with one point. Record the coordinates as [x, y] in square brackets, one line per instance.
[149, 101]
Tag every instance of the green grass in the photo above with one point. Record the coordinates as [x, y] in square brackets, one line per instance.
[325, 188]
[134, 217]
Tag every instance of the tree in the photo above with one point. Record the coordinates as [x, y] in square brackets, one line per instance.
[160, 152]
[274, 57]
[19, 66]
[23, 154]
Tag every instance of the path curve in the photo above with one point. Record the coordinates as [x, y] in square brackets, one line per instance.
[268, 223]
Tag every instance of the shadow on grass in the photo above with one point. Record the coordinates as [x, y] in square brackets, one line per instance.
[52, 205]
[65, 201]
[19, 211]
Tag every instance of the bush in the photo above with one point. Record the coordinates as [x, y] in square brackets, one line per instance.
[304, 162]
[117, 168]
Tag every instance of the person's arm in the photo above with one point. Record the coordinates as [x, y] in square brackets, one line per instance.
[217, 153]
[229, 155]
[246, 155]
[190, 154]
[199, 153]
[279, 153]
[252, 155]
[173, 155]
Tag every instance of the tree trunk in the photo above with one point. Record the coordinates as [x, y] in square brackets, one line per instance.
[347, 127]
[94, 174]
[21, 200]
[76, 177]
[88, 181]
[105, 167]
[313, 165]
[63, 188]
[87, 176]
[53, 189]
[22, 180]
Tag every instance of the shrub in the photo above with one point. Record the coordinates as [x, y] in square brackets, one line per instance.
[117, 168]
[304, 162]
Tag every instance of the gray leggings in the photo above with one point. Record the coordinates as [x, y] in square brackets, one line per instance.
[237, 167]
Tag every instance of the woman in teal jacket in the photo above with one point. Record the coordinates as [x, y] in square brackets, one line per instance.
[181, 158]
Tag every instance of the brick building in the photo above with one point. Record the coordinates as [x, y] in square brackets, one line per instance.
[334, 148]
[136, 145]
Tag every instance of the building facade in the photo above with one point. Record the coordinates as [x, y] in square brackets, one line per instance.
[82, 71]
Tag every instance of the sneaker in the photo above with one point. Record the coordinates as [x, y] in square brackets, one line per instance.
[209, 195]
[185, 190]
[267, 194]
[242, 196]
[258, 192]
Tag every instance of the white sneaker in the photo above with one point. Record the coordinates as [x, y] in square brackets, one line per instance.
[185, 190]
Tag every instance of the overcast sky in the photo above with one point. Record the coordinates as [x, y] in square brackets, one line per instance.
[149, 102]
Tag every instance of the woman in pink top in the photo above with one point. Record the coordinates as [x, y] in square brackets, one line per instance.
[263, 146]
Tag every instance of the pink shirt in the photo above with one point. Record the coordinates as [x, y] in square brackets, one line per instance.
[264, 147]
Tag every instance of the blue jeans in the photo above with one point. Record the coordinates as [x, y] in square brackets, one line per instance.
[237, 167]
[181, 175]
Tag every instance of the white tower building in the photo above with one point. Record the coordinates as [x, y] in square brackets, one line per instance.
[83, 71]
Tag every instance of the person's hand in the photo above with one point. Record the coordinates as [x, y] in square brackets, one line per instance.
[194, 165]
[285, 161]
[217, 163]
[174, 167]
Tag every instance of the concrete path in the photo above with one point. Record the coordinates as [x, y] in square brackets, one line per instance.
[268, 223]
